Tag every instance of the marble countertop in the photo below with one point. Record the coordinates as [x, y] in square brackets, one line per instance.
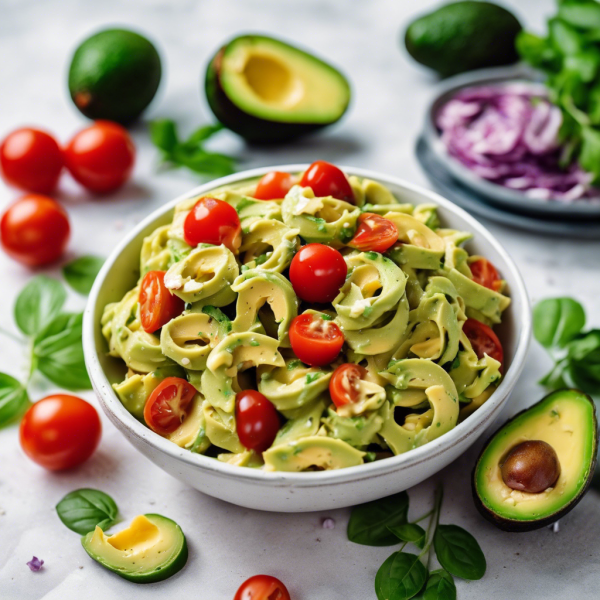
[227, 543]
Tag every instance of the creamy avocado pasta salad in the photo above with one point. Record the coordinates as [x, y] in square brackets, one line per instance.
[306, 322]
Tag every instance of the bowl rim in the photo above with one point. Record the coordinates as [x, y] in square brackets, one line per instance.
[478, 421]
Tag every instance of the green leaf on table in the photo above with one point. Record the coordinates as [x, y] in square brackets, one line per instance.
[440, 586]
[368, 524]
[38, 303]
[163, 134]
[202, 134]
[409, 532]
[13, 399]
[400, 577]
[564, 38]
[583, 16]
[81, 273]
[458, 552]
[556, 321]
[82, 510]
[535, 50]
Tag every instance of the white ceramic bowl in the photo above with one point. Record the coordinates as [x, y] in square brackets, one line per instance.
[301, 492]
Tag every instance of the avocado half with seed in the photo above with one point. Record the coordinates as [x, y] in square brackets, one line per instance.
[268, 91]
[538, 465]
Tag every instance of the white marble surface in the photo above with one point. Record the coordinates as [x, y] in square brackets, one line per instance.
[228, 544]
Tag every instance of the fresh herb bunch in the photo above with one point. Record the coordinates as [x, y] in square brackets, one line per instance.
[570, 57]
[191, 152]
[558, 326]
[406, 575]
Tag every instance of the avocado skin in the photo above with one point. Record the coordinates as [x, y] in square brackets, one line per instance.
[512, 525]
[464, 36]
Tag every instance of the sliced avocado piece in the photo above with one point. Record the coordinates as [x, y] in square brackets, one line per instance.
[156, 254]
[358, 431]
[565, 420]
[221, 429]
[191, 434]
[151, 549]
[269, 91]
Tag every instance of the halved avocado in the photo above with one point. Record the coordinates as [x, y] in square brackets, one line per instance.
[566, 421]
[151, 549]
[268, 91]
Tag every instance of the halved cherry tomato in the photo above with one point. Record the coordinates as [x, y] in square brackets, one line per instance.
[60, 432]
[315, 341]
[262, 587]
[485, 274]
[374, 233]
[215, 222]
[344, 385]
[257, 421]
[274, 185]
[35, 230]
[318, 272]
[32, 160]
[484, 340]
[167, 406]
[157, 305]
[101, 157]
[326, 179]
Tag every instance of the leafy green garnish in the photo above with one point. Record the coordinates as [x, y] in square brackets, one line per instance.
[312, 377]
[38, 303]
[409, 532]
[81, 273]
[14, 400]
[219, 316]
[440, 586]
[458, 552]
[326, 317]
[82, 510]
[294, 364]
[400, 577]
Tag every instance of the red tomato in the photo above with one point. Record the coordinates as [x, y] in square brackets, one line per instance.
[213, 222]
[485, 273]
[274, 185]
[262, 587]
[35, 230]
[318, 272]
[314, 340]
[326, 179]
[166, 408]
[60, 432]
[157, 305]
[32, 160]
[101, 157]
[374, 233]
[256, 419]
[344, 385]
[484, 340]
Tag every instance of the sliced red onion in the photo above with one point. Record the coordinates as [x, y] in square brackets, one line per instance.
[35, 564]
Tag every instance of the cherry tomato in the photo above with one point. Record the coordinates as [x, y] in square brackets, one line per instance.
[314, 340]
[60, 432]
[256, 419]
[484, 340]
[167, 406]
[157, 305]
[326, 179]
[101, 157]
[318, 272]
[374, 233]
[274, 185]
[213, 222]
[344, 385]
[262, 587]
[485, 274]
[35, 230]
[32, 160]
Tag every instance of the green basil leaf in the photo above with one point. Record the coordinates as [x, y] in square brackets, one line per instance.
[458, 552]
[368, 524]
[400, 577]
[555, 379]
[38, 303]
[81, 273]
[81, 510]
[536, 51]
[163, 134]
[440, 586]
[583, 16]
[202, 134]
[205, 163]
[13, 399]
[219, 316]
[409, 532]
[556, 321]
[564, 38]
[589, 156]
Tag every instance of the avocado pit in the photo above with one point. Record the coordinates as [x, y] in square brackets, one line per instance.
[531, 467]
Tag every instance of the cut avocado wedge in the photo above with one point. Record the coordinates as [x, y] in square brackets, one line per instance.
[268, 91]
[564, 420]
[151, 549]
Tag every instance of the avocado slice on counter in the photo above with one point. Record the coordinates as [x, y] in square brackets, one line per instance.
[151, 549]
[268, 91]
[537, 467]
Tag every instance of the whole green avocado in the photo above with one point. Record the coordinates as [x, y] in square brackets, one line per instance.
[463, 36]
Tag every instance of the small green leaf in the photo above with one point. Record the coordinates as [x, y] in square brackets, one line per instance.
[440, 586]
[163, 133]
[458, 552]
[38, 303]
[219, 316]
[81, 273]
[564, 38]
[583, 16]
[590, 150]
[409, 532]
[400, 577]
[82, 510]
[13, 399]
[202, 134]
[556, 321]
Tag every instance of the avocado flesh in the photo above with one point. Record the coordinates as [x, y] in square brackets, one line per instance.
[565, 419]
[151, 549]
[268, 91]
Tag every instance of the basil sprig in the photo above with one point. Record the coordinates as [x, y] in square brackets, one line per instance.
[81, 510]
[81, 273]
